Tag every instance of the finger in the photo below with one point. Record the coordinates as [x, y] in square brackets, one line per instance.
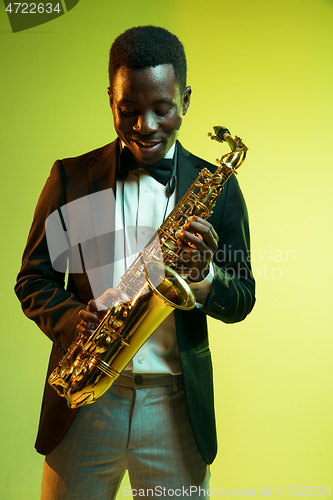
[85, 328]
[192, 239]
[203, 232]
[199, 219]
[92, 306]
[194, 218]
[89, 317]
[188, 254]
[110, 296]
[96, 307]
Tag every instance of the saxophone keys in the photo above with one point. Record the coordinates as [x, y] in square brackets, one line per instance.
[104, 340]
[171, 245]
[217, 178]
[124, 343]
[79, 374]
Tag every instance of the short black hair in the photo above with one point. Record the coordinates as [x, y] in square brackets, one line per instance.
[148, 46]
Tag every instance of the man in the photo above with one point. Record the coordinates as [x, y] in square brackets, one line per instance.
[157, 419]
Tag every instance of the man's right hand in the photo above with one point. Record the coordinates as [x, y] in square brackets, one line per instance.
[95, 311]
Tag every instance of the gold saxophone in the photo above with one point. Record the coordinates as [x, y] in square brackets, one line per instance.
[155, 284]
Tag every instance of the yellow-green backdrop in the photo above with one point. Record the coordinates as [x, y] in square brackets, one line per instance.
[263, 68]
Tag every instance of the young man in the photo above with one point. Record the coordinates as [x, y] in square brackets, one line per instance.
[157, 419]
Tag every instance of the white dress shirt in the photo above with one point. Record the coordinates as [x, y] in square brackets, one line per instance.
[141, 205]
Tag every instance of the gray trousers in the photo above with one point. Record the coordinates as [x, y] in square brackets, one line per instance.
[141, 425]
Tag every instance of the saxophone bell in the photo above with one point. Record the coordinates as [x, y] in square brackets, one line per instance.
[120, 335]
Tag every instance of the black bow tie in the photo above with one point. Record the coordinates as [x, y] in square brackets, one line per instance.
[161, 171]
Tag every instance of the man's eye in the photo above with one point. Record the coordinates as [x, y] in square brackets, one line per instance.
[164, 112]
[127, 112]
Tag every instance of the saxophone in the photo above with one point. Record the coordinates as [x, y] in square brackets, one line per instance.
[155, 284]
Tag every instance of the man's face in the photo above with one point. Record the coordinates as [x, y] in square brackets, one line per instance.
[147, 109]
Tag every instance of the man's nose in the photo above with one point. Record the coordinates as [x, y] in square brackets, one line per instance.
[146, 124]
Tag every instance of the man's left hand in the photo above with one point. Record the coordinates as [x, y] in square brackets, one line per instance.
[198, 240]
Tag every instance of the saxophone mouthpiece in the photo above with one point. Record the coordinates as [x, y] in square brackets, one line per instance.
[220, 131]
[221, 134]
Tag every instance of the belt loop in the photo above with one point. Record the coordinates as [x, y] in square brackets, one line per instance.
[174, 383]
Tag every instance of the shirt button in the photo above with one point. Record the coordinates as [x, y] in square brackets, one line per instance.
[147, 189]
[143, 231]
[140, 360]
[138, 379]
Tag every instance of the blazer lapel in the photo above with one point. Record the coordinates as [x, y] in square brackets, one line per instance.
[103, 168]
[188, 168]
[99, 249]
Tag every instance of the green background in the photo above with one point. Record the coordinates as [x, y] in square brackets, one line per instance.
[263, 69]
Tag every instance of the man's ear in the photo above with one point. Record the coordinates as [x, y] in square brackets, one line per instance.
[186, 99]
[110, 96]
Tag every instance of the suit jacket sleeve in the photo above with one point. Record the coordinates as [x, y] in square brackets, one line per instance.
[232, 294]
[39, 287]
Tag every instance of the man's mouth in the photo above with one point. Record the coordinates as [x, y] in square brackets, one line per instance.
[146, 144]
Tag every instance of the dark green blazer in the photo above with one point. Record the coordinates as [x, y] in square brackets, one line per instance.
[40, 288]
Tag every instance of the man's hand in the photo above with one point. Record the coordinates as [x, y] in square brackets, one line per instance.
[97, 309]
[199, 241]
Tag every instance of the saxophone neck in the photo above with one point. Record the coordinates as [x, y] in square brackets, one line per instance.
[236, 157]
[232, 142]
